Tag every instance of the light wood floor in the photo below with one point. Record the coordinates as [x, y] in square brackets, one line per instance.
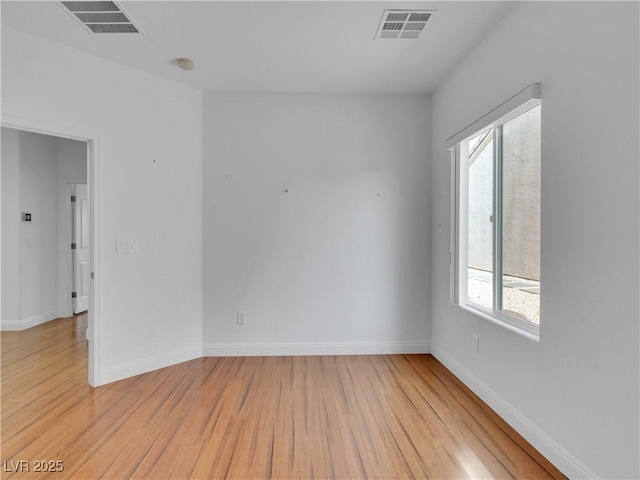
[347, 417]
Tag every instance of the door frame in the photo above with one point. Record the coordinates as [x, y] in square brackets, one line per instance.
[76, 237]
[94, 187]
[65, 263]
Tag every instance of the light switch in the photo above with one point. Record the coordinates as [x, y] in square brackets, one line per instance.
[126, 246]
[28, 242]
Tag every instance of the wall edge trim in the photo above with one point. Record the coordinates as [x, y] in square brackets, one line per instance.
[565, 461]
[131, 369]
[10, 326]
[313, 348]
[25, 323]
[36, 320]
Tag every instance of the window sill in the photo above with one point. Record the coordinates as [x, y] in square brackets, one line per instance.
[505, 323]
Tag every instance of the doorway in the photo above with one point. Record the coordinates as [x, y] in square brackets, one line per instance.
[80, 248]
[39, 223]
[76, 266]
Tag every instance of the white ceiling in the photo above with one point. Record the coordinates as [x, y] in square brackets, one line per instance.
[291, 46]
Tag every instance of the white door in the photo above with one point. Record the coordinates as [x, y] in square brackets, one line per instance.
[81, 253]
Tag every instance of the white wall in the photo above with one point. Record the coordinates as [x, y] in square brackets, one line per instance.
[150, 182]
[11, 316]
[339, 263]
[72, 159]
[577, 388]
[39, 196]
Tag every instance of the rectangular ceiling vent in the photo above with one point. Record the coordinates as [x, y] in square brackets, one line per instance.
[403, 23]
[101, 16]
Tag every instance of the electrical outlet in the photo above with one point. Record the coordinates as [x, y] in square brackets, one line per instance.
[241, 318]
[475, 341]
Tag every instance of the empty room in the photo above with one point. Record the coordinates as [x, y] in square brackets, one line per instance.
[320, 240]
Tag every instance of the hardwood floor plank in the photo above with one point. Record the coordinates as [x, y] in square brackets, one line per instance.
[249, 418]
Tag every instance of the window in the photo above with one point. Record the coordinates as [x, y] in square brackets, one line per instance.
[496, 214]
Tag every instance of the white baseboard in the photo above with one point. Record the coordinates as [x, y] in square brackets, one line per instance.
[132, 369]
[566, 462]
[19, 325]
[10, 326]
[289, 349]
[40, 319]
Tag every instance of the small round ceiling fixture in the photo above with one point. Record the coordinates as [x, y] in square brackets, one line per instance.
[185, 63]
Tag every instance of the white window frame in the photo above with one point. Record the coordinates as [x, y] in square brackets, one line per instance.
[523, 101]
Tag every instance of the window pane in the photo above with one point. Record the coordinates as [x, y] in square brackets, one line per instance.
[480, 228]
[521, 216]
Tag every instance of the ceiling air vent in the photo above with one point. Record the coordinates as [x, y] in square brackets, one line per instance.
[101, 17]
[402, 23]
